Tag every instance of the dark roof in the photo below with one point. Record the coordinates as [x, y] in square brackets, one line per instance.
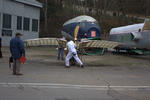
[30, 2]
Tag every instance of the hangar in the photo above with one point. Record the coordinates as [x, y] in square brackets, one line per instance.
[19, 16]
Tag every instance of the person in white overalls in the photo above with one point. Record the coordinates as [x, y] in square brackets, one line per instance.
[72, 53]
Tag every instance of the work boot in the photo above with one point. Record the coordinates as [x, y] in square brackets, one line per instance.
[13, 73]
[82, 66]
[67, 66]
[62, 59]
[19, 74]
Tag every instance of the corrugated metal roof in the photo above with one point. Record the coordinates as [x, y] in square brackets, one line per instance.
[30, 2]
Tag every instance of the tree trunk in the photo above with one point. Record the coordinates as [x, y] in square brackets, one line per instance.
[45, 15]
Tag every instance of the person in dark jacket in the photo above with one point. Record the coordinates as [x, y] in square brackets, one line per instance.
[1, 47]
[17, 50]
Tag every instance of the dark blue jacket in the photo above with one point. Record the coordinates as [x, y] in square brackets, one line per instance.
[16, 48]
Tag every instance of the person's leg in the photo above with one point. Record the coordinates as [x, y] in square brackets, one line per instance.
[69, 55]
[59, 53]
[78, 60]
[62, 54]
[18, 64]
[0, 53]
[14, 66]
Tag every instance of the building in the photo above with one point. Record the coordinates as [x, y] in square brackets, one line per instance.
[19, 16]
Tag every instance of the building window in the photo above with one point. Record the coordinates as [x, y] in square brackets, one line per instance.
[7, 32]
[7, 21]
[19, 23]
[35, 25]
[26, 24]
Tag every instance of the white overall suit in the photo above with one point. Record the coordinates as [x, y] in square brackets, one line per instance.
[72, 53]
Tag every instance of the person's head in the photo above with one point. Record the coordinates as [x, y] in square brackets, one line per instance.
[18, 35]
[68, 39]
[85, 35]
[139, 30]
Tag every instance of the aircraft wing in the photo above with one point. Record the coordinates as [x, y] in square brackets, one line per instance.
[146, 25]
[99, 44]
[45, 41]
[85, 44]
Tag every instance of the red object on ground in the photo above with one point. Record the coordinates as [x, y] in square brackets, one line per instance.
[23, 59]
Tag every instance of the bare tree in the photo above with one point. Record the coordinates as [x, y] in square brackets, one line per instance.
[45, 16]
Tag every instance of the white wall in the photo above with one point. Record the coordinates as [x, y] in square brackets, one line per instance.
[1, 4]
[19, 9]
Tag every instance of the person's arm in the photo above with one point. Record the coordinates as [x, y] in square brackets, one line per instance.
[21, 46]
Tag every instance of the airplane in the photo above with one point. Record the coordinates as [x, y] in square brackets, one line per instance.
[88, 28]
[78, 28]
[136, 37]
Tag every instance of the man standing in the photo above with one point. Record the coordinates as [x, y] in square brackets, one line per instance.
[72, 53]
[61, 50]
[0, 48]
[17, 50]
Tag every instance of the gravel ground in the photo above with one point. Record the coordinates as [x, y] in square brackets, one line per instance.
[107, 77]
[48, 55]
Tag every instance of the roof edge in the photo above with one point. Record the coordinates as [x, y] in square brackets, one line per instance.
[36, 4]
